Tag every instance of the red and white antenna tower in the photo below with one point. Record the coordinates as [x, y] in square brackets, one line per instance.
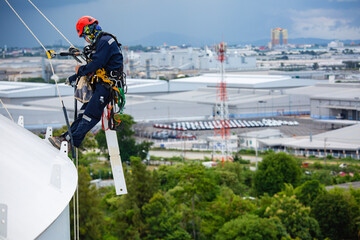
[222, 128]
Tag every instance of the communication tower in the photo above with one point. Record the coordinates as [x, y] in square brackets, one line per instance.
[221, 113]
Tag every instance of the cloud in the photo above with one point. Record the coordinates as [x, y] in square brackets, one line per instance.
[324, 23]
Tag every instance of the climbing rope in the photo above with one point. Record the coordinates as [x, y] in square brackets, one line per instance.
[6, 110]
[48, 52]
[71, 45]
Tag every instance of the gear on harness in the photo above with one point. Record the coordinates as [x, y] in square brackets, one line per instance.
[115, 81]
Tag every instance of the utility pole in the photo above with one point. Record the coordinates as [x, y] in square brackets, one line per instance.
[256, 151]
[325, 150]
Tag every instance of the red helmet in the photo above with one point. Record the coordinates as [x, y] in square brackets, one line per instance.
[82, 22]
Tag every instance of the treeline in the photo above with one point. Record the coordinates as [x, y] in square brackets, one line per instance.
[190, 201]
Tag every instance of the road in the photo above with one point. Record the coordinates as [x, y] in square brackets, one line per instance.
[193, 155]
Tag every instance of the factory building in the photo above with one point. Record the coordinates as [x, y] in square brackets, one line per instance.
[336, 101]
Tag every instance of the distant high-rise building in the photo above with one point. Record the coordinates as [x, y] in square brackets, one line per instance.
[278, 34]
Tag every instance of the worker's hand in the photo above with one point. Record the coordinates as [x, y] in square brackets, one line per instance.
[77, 69]
[73, 50]
[72, 80]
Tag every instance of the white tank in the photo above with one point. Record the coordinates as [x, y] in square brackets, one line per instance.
[37, 182]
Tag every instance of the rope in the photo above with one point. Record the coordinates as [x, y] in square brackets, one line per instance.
[47, 52]
[51, 23]
[26, 25]
[77, 199]
[6, 109]
[74, 209]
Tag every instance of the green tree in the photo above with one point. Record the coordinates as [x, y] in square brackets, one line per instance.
[161, 221]
[169, 176]
[231, 175]
[193, 188]
[294, 216]
[126, 219]
[140, 183]
[91, 218]
[227, 206]
[274, 171]
[336, 211]
[308, 191]
[323, 176]
[355, 193]
[251, 227]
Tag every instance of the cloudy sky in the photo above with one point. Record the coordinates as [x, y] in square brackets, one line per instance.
[135, 21]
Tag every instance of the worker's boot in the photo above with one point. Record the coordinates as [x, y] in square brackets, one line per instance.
[56, 141]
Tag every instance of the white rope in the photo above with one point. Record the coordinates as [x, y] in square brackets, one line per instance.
[51, 23]
[25, 25]
[77, 199]
[6, 109]
[46, 51]
[74, 210]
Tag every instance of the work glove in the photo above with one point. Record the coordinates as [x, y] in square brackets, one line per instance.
[73, 50]
[71, 80]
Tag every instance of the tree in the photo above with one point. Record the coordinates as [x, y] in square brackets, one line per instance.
[251, 227]
[294, 216]
[127, 220]
[315, 66]
[161, 221]
[231, 175]
[227, 206]
[336, 211]
[91, 217]
[169, 176]
[275, 170]
[140, 183]
[193, 187]
[307, 192]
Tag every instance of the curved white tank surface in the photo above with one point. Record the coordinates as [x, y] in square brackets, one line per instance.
[37, 182]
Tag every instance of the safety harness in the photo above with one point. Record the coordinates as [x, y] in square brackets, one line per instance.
[117, 87]
[115, 82]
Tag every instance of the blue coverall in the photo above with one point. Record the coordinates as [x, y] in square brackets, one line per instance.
[108, 56]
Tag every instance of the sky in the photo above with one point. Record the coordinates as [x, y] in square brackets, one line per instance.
[191, 21]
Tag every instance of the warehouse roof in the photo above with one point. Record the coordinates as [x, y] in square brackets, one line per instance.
[347, 138]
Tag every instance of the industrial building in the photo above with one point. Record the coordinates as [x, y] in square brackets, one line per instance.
[251, 139]
[343, 142]
[336, 101]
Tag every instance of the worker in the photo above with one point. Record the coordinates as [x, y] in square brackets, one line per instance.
[105, 53]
